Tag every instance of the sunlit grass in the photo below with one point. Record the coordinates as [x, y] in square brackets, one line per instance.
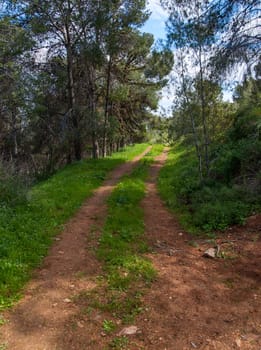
[26, 230]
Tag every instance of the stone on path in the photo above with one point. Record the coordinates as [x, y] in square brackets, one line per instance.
[210, 253]
[129, 330]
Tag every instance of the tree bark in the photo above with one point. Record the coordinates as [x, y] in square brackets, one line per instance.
[106, 110]
[76, 137]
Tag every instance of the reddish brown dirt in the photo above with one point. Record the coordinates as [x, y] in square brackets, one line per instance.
[195, 303]
[44, 318]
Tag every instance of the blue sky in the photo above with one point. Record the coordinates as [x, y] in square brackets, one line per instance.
[156, 26]
[156, 22]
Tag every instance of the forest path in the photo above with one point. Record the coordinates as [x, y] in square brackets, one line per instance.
[43, 318]
[197, 302]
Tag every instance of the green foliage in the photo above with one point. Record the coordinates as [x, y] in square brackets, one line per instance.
[232, 189]
[26, 229]
[213, 205]
[108, 326]
[119, 343]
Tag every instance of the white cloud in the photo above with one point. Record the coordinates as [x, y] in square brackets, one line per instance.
[158, 13]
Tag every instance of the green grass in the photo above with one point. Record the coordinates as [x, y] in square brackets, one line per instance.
[27, 229]
[127, 272]
[122, 242]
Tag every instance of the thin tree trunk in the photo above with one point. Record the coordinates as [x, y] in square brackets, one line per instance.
[194, 129]
[203, 115]
[106, 110]
[71, 93]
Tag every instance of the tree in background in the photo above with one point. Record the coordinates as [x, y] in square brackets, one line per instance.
[208, 38]
[93, 77]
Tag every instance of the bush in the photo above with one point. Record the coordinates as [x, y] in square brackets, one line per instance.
[219, 215]
[213, 205]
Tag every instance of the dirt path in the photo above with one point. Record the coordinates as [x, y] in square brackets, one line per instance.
[44, 318]
[195, 303]
[199, 303]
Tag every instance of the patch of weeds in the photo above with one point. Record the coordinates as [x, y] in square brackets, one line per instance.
[229, 283]
[87, 311]
[255, 238]
[2, 320]
[94, 228]
[80, 274]
[3, 346]
[119, 343]
[193, 244]
[124, 305]
[108, 326]
[227, 255]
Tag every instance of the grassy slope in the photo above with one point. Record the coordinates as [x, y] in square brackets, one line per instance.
[26, 230]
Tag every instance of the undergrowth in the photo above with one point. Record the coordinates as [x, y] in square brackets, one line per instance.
[27, 227]
[212, 206]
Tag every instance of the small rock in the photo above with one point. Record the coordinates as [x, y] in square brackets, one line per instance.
[210, 253]
[238, 343]
[80, 324]
[57, 239]
[129, 330]
[61, 252]
[181, 234]
[103, 334]
[193, 345]
[67, 300]
[171, 252]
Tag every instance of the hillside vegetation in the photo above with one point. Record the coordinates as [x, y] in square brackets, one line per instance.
[231, 190]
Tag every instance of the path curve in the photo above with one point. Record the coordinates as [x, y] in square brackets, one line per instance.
[40, 320]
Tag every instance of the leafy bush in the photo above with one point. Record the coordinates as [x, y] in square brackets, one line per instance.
[212, 206]
[218, 215]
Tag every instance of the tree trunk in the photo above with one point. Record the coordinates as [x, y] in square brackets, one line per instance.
[95, 146]
[106, 110]
[203, 115]
[76, 137]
